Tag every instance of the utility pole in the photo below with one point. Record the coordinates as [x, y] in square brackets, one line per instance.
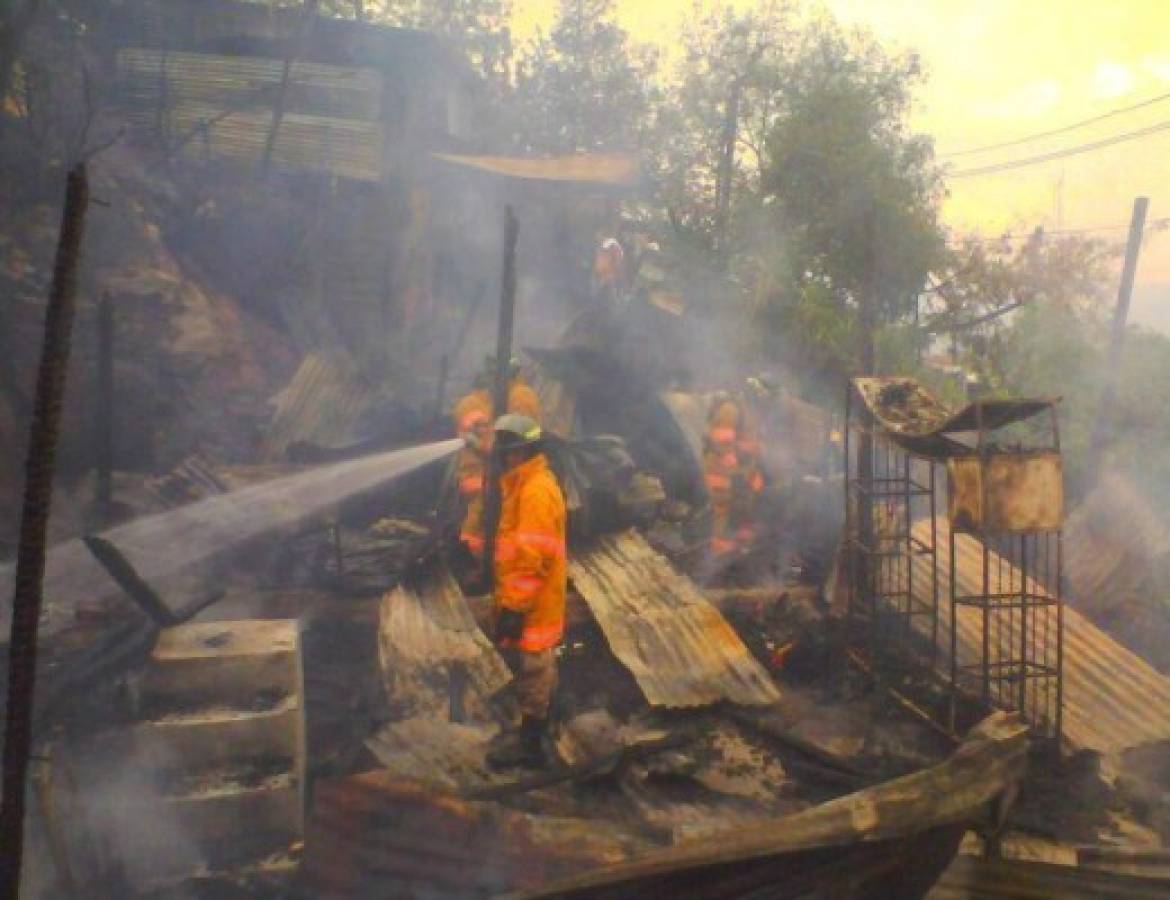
[491, 513]
[1104, 420]
[34, 522]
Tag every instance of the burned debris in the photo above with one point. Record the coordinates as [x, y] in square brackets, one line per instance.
[338, 603]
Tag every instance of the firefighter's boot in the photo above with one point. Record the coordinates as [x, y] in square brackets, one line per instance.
[521, 749]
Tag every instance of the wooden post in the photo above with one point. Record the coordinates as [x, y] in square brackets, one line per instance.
[34, 521]
[1133, 247]
[491, 513]
[104, 412]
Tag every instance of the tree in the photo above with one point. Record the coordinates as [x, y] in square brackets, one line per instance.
[479, 29]
[586, 85]
[726, 94]
[852, 192]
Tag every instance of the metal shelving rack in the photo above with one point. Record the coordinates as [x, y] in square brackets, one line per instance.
[887, 489]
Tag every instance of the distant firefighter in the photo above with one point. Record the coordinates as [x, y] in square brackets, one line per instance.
[530, 584]
[473, 416]
[735, 478]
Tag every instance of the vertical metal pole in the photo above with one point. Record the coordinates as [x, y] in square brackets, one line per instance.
[491, 511]
[1105, 417]
[34, 521]
[104, 411]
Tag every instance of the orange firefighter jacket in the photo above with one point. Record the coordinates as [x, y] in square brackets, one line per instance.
[731, 462]
[474, 413]
[531, 564]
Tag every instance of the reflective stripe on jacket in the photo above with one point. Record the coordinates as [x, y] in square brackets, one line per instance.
[531, 564]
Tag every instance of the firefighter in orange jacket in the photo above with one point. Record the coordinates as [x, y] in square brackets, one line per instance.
[735, 478]
[473, 416]
[530, 582]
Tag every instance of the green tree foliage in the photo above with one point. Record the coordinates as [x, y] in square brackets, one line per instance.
[479, 29]
[585, 85]
[851, 194]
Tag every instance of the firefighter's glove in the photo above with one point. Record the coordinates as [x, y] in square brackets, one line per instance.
[471, 439]
[509, 625]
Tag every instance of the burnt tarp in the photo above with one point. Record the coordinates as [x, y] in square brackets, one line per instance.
[890, 840]
[919, 422]
[677, 645]
[609, 398]
[1112, 699]
[612, 169]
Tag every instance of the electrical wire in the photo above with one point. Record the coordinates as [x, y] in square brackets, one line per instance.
[1061, 154]
[1151, 226]
[970, 151]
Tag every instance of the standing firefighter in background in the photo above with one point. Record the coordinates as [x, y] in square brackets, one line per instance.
[530, 581]
[473, 416]
[735, 479]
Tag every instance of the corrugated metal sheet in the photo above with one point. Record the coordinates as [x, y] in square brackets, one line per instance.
[1113, 700]
[618, 169]
[224, 105]
[986, 879]
[320, 405]
[427, 640]
[682, 652]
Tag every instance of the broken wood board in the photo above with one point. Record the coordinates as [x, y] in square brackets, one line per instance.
[678, 647]
[1113, 699]
[896, 836]
[434, 655]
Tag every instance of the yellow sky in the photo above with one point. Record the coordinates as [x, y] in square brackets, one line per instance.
[1002, 69]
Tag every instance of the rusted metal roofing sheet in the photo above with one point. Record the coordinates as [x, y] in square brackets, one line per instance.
[1113, 699]
[319, 405]
[618, 169]
[222, 107]
[678, 647]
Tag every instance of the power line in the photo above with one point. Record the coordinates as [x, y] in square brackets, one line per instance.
[970, 151]
[1061, 154]
[1152, 226]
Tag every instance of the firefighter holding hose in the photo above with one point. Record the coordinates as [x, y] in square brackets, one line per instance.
[473, 417]
[530, 583]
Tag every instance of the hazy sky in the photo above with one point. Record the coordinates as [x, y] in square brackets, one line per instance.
[1002, 69]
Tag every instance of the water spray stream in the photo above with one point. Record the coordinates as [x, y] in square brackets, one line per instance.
[179, 542]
